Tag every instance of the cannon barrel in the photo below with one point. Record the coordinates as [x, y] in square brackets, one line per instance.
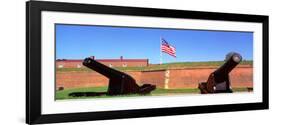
[102, 69]
[218, 81]
[231, 61]
[119, 82]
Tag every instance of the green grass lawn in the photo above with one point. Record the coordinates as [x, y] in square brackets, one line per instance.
[179, 65]
[63, 94]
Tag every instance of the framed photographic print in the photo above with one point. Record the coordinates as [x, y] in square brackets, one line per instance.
[95, 62]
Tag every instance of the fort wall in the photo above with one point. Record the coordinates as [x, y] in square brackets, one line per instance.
[172, 78]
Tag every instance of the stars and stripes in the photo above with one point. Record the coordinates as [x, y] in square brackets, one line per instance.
[167, 48]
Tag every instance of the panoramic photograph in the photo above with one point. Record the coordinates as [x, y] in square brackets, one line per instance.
[94, 62]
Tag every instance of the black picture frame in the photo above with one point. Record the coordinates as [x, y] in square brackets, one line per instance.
[33, 61]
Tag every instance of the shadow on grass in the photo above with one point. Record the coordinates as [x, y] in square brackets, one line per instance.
[64, 94]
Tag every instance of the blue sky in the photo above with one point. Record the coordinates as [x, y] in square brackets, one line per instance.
[81, 41]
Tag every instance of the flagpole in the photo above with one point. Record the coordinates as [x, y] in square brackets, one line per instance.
[160, 51]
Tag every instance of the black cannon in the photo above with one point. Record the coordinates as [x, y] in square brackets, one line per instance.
[120, 83]
[218, 81]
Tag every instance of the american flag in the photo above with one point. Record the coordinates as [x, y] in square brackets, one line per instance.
[167, 48]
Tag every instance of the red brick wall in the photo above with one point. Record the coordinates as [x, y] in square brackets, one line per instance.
[189, 78]
[80, 79]
[153, 77]
[242, 77]
[86, 79]
[179, 78]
